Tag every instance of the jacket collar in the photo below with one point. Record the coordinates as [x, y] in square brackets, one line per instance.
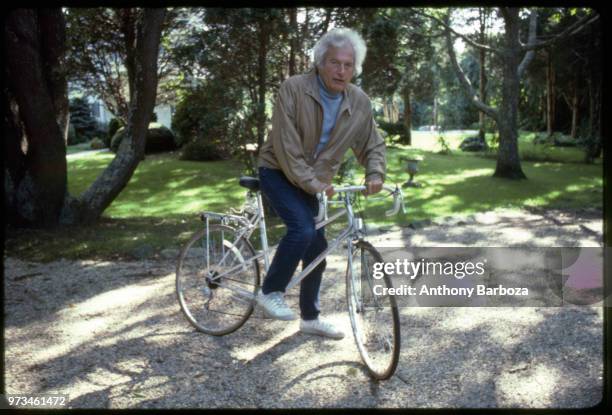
[312, 89]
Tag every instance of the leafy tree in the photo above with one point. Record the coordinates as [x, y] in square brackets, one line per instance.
[100, 49]
[35, 124]
[36, 189]
[237, 49]
[515, 57]
[400, 60]
[203, 118]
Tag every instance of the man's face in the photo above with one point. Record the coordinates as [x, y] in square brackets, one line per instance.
[337, 69]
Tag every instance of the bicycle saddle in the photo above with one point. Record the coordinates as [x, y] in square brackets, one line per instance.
[251, 183]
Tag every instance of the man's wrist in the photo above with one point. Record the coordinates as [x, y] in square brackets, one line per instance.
[374, 177]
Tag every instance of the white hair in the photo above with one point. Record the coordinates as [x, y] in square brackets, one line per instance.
[338, 38]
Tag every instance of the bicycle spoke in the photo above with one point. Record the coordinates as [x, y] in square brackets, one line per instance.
[376, 327]
[217, 299]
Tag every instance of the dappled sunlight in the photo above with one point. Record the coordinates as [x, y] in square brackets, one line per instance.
[469, 318]
[251, 352]
[532, 388]
[452, 179]
[126, 296]
[178, 183]
[443, 202]
[164, 184]
[121, 383]
[83, 322]
[522, 320]
[510, 356]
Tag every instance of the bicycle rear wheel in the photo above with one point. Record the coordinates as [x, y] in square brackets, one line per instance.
[214, 276]
[374, 318]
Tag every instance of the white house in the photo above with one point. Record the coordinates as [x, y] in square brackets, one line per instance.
[99, 111]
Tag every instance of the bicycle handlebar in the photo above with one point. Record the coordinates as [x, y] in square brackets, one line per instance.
[396, 191]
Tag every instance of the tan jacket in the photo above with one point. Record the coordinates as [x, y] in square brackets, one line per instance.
[296, 130]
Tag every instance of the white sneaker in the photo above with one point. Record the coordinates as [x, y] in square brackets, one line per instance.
[274, 306]
[320, 328]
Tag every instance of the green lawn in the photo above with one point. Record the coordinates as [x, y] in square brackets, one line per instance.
[163, 186]
[158, 207]
[528, 150]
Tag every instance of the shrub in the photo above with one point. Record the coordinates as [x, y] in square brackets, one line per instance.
[562, 140]
[85, 125]
[204, 116]
[113, 125]
[73, 137]
[392, 128]
[158, 139]
[443, 143]
[116, 140]
[97, 144]
[472, 144]
[202, 151]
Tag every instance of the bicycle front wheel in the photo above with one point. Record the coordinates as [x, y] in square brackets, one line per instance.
[374, 317]
[216, 280]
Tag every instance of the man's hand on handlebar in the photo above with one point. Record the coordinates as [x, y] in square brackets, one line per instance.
[373, 186]
[329, 191]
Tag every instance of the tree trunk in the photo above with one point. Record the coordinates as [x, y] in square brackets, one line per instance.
[407, 117]
[35, 157]
[482, 92]
[550, 94]
[304, 35]
[325, 26]
[482, 17]
[574, 106]
[434, 117]
[264, 39]
[115, 177]
[127, 22]
[508, 161]
[543, 110]
[14, 158]
[53, 38]
[394, 111]
[293, 42]
[594, 145]
[386, 114]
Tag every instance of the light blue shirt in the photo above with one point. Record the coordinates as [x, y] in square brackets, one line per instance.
[331, 105]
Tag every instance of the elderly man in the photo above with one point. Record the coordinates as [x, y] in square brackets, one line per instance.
[318, 116]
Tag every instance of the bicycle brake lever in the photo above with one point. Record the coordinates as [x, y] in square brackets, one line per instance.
[397, 202]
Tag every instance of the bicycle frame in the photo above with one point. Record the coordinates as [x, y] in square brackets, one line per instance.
[259, 221]
[352, 231]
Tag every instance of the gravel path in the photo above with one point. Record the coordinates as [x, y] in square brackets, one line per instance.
[111, 335]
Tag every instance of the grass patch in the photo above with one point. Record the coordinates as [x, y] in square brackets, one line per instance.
[529, 150]
[163, 186]
[457, 185]
[158, 208]
[109, 238]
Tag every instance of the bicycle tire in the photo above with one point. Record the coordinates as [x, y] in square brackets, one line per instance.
[205, 298]
[374, 318]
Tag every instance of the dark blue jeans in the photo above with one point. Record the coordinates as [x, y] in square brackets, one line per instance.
[302, 242]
